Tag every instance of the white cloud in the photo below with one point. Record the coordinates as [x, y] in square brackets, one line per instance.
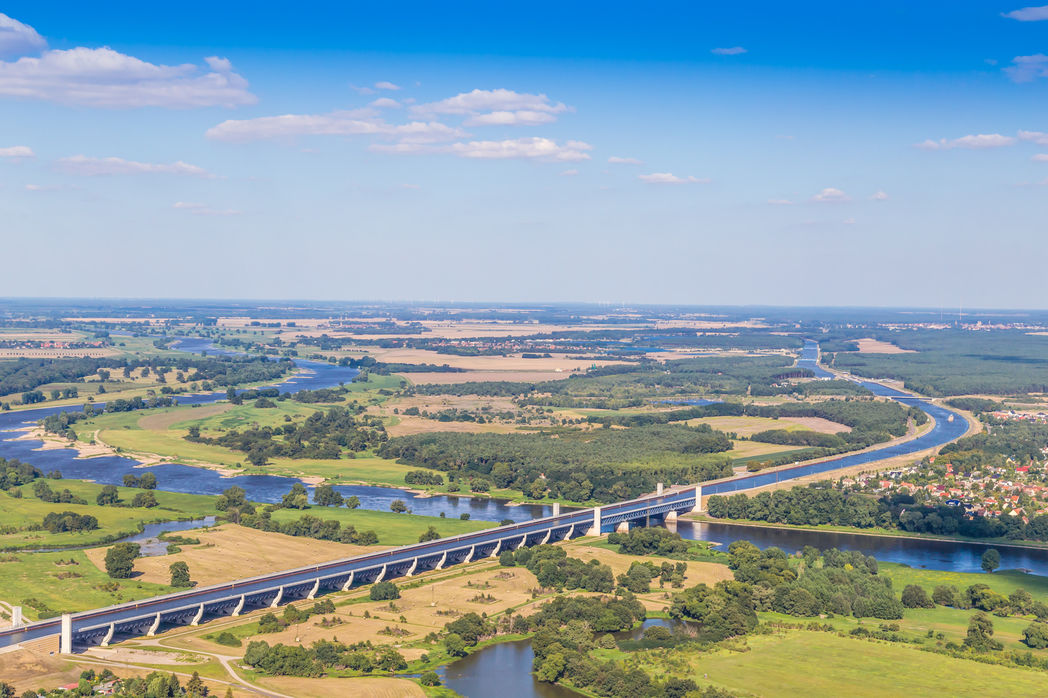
[616, 160]
[542, 149]
[384, 103]
[499, 107]
[849, 221]
[1028, 68]
[522, 117]
[95, 167]
[341, 123]
[204, 210]
[569, 173]
[973, 142]
[362, 90]
[17, 151]
[732, 51]
[831, 195]
[669, 178]
[1028, 14]
[780, 202]
[1038, 137]
[17, 39]
[386, 85]
[879, 195]
[1040, 157]
[103, 77]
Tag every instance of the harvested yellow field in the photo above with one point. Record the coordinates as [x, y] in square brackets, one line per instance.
[869, 345]
[698, 572]
[480, 376]
[230, 552]
[363, 687]
[747, 426]
[483, 363]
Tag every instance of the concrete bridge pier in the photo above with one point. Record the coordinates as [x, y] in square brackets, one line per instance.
[698, 499]
[411, 570]
[109, 635]
[276, 599]
[556, 508]
[498, 547]
[313, 592]
[522, 541]
[65, 642]
[469, 556]
[198, 616]
[349, 582]
[16, 616]
[595, 530]
[623, 527]
[671, 516]
[240, 606]
[154, 627]
[658, 489]
[443, 559]
[381, 575]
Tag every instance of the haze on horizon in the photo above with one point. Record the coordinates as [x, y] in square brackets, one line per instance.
[823, 155]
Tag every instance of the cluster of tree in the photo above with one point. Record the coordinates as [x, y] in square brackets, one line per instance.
[425, 478]
[321, 395]
[603, 465]
[67, 521]
[322, 435]
[649, 540]
[554, 569]
[638, 577]
[154, 685]
[565, 635]
[270, 623]
[43, 492]
[14, 473]
[844, 583]
[818, 504]
[312, 661]
[309, 527]
[23, 375]
[147, 481]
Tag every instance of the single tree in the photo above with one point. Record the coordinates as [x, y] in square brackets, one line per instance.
[180, 574]
[980, 634]
[914, 596]
[384, 591]
[991, 560]
[430, 534]
[1036, 636]
[352, 502]
[120, 560]
[397, 506]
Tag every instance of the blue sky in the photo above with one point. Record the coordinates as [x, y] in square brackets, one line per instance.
[823, 154]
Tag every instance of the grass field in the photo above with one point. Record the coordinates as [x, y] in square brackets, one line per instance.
[112, 521]
[392, 529]
[1004, 582]
[65, 587]
[823, 664]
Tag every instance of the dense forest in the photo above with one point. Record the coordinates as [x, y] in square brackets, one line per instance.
[956, 362]
[579, 465]
[23, 375]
